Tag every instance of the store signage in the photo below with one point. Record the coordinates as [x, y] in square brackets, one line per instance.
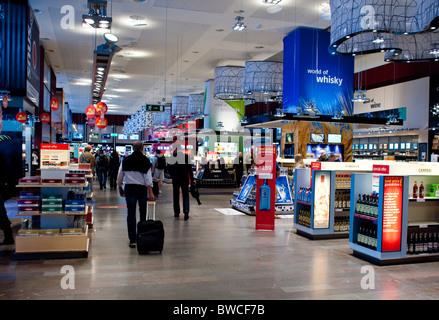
[380, 169]
[311, 73]
[33, 58]
[392, 213]
[54, 155]
[45, 117]
[155, 108]
[90, 111]
[2, 11]
[265, 187]
[322, 187]
[21, 117]
[5, 101]
[101, 123]
[54, 104]
[101, 108]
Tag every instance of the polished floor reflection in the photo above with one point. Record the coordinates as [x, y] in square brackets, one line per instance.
[212, 256]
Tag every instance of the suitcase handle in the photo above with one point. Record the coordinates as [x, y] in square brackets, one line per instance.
[147, 209]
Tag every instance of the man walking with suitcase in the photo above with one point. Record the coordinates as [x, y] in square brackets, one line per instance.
[135, 172]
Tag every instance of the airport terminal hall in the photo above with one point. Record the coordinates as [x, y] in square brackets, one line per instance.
[218, 158]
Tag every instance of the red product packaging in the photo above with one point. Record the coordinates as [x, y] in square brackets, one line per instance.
[51, 181]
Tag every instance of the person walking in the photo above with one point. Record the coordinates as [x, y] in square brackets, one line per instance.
[238, 168]
[180, 170]
[114, 169]
[102, 165]
[87, 157]
[158, 167]
[5, 223]
[135, 174]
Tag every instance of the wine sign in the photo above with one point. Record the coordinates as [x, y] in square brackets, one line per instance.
[101, 123]
[392, 213]
[101, 108]
[5, 101]
[265, 187]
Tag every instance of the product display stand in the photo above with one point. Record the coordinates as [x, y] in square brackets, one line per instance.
[56, 209]
[404, 225]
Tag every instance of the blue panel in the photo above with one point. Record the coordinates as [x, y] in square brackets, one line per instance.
[13, 46]
[311, 73]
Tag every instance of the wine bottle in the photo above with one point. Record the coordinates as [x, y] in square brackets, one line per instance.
[425, 243]
[265, 192]
[421, 190]
[435, 243]
[430, 239]
[410, 244]
[415, 191]
[358, 204]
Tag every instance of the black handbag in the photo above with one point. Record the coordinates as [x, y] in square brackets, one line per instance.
[194, 192]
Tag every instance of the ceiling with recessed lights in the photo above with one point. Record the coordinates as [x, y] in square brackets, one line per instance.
[169, 47]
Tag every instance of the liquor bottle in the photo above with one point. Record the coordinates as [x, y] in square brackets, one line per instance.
[421, 190]
[417, 243]
[430, 242]
[360, 235]
[410, 244]
[425, 243]
[415, 191]
[265, 192]
[374, 235]
[358, 204]
[435, 243]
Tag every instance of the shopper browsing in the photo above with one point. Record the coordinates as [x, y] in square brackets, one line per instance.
[135, 174]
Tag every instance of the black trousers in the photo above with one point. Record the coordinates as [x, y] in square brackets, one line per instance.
[184, 187]
[5, 223]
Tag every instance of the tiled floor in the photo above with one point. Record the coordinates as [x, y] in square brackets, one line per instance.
[211, 256]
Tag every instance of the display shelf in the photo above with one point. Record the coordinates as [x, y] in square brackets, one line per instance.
[50, 196]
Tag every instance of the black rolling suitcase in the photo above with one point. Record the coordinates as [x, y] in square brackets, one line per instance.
[155, 187]
[150, 234]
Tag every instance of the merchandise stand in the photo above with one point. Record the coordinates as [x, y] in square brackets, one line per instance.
[57, 213]
[244, 199]
[406, 228]
[335, 213]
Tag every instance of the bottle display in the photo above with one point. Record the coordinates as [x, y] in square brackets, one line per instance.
[367, 205]
[342, 181]
[265, 192]
[342, 199]
[367, 235]
[341, 224]
[305, 195]
[422, 240]
[304, 217]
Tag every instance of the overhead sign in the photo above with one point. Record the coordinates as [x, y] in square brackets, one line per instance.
[155, 108]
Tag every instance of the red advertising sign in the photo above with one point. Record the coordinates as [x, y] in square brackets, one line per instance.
[21, 117]
[45, 117]
[101, 108]
[54, 104]
[101, 123]
[266, 187]
[381, 169]
[392, 213]
[5, 101]
[90, 111]
[55, 146]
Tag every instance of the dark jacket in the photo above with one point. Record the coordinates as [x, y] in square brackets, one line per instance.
[114, 163]
[180, 168]
[136, 161]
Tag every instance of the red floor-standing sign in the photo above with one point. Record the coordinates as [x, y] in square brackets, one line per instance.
[265, 187]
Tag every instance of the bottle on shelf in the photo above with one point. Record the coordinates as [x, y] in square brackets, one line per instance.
[410, 244]
[421, 190]
[415, 191]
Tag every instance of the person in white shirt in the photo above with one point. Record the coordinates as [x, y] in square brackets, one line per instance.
[135, 174]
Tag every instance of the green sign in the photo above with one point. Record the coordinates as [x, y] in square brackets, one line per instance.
[155, 108]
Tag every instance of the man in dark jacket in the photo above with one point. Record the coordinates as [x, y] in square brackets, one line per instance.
[135, 173]
[5, 186]
[180, 170]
